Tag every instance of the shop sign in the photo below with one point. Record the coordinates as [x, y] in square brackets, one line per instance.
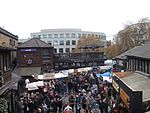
[75, 70]
[47, 76]
[28, 50]
[115, 85]
[124, 97]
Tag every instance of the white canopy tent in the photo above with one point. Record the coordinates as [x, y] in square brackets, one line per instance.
[60, 75]
[48, 76]
[84, 69]
[34, 85]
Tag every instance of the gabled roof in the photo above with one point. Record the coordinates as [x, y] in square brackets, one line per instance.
[142, 51]
[34, 42]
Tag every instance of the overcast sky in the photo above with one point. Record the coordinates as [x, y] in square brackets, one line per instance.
[21, 17]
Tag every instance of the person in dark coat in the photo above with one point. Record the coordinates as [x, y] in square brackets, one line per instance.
[20, 106]
[59, 102]
[54, 105]
[31, 106]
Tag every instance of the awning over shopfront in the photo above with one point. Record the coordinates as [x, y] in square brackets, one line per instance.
[138, 82]
[13, 84]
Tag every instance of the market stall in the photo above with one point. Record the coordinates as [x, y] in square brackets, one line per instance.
[134, 91]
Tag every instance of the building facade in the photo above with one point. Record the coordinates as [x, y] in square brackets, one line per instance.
[134, 87]
[8, 39]
[66, 61]
[139, 33]
[139, 59]
[135, 59]
[34, 57]
[139, 64]
[8, 43]
[65, 40]
[133, 91]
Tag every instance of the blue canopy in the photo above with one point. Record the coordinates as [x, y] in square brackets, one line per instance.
[107, 74]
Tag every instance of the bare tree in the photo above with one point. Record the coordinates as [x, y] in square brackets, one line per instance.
[85, 42]
[134, 35]
[113, 51]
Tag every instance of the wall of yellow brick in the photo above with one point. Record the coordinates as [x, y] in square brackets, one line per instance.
[5, 39]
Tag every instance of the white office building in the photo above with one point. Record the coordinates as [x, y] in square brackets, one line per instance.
[65, 40]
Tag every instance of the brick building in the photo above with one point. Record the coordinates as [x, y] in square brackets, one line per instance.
[34, 57]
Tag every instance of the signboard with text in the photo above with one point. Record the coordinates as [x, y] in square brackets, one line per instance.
[28, 50]
[115, 85]
[124, 97]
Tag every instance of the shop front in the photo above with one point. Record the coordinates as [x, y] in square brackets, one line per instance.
[130, 96]
[9, 94]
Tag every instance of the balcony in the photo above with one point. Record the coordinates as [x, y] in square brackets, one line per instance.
[83, 56]
[78, 60]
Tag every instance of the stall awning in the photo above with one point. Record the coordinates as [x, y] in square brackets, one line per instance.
[138, 82]
[48, 76]
[11, 84]
[34, 85]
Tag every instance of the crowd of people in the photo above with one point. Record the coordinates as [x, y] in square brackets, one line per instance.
[80, 93]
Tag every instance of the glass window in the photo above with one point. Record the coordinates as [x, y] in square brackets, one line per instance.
[55, 35]
[49, 42]
[55, 42]
[61, 35]
[79, 35]
[67, 50]
[73, 42]
[61, 42]
[55, 50]
[93, 35]
[13, 43]
[89, 35]
[46, 52]
[68, 42]
[44, 36]
[60, 50]
[73, 49]
[39, 36]
[73, 35]
[49, 35]
[1, 62]
[10, 41]
[67, 35]
[84, 35]
[104, 37]
[34, 36]
[148, 67]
